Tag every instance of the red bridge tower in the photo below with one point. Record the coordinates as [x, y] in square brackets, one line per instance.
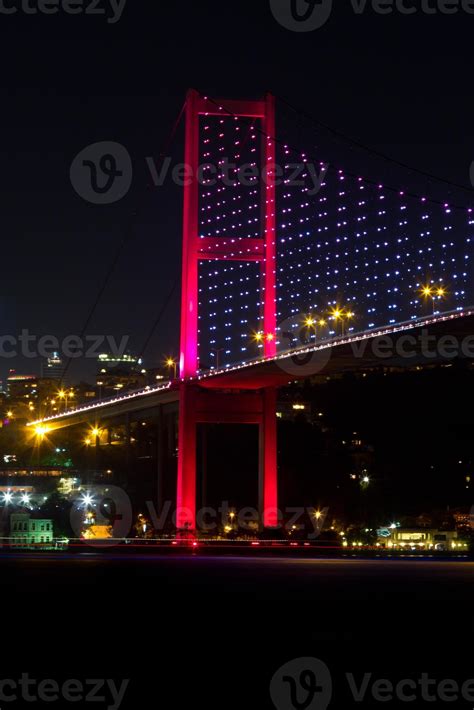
[197, 404]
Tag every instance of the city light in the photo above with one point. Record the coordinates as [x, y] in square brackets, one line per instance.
[436, 293]
[87, 499]
[7, 497]
[172, 364]
[312, 324]
[41, 430]
[337, 314]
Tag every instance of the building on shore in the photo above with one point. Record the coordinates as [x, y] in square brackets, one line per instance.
[27, 531]
[424, 539]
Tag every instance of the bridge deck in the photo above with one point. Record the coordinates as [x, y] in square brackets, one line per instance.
[402, 345]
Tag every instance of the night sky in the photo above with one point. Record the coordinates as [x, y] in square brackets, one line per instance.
[399, 84]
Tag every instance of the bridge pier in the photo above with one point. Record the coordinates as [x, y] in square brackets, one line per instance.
[187, 459]
[268, 464]
[201, 406]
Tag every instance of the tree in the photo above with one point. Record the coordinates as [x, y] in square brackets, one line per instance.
[58, 509]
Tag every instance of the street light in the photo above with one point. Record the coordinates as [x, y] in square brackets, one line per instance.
[337, 314]
[217, 351]
[41, 431]
[258, 337]
[428, 292]
[440, 294]
[433, 292]
[65, 395]
[172, 364]
[311, 324]
[365, 481]
[87, 500]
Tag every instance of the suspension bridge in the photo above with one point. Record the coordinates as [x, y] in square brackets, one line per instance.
[291, 267]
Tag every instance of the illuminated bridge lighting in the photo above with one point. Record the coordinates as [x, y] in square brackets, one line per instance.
[355, 245]
[256, 361]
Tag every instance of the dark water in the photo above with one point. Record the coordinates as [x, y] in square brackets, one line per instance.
[212, 631]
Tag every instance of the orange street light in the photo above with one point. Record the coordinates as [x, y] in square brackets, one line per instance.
[172, 364]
